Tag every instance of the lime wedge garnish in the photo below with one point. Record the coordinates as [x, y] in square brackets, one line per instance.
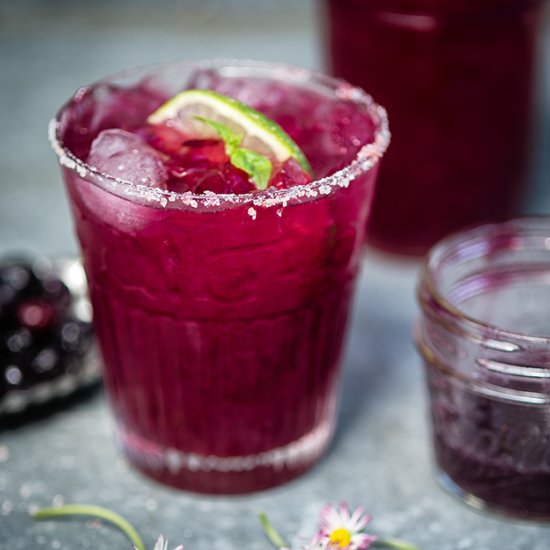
[258, 133]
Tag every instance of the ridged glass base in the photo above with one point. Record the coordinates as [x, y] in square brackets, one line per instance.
[225, 474]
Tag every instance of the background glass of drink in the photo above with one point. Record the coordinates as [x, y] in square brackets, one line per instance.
[221, 317]
[457, 79]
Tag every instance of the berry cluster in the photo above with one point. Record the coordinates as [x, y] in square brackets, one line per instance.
[40, 336]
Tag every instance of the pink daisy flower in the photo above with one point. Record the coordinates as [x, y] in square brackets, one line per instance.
[342, 530]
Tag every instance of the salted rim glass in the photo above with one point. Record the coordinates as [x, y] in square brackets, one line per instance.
[338, 89]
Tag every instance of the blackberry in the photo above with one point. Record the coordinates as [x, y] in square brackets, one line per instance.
[41, 338]
[18, 275]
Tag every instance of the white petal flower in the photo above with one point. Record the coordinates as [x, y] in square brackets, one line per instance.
[316, 543]
[342, 530]
[162, 544]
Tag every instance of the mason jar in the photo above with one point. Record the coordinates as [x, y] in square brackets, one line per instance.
[484, 336]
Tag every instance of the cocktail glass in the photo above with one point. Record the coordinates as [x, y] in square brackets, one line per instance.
[221, 317]
[457, 78]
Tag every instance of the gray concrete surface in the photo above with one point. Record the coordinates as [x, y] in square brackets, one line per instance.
[380, 457]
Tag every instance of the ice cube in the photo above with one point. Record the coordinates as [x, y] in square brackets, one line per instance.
[126, 156]
[248, 90]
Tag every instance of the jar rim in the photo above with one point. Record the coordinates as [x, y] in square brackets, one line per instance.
[433, 300]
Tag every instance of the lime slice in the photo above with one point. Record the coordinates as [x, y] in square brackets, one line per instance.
[259, 133]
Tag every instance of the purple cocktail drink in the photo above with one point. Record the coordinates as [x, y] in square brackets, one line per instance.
[220, 309]
[457, 79]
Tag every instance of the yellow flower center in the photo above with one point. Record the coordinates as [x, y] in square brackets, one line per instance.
[340, 537]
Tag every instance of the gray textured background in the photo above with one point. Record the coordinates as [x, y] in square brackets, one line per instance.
[380, 457]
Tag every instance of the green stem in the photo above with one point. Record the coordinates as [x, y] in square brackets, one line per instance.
[96, 512]
[270, 532]
[394, 544]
